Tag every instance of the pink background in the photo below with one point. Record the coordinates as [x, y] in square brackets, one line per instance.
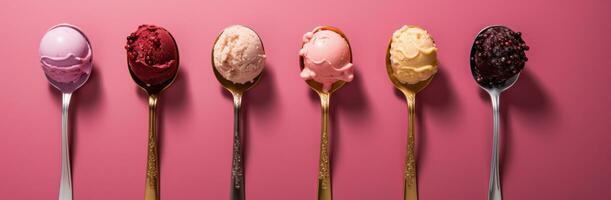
[555, 120]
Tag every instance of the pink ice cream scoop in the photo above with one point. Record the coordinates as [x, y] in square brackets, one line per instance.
[65, 56]
[326, 58]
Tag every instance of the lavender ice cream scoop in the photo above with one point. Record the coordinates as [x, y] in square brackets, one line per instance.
[65, 56]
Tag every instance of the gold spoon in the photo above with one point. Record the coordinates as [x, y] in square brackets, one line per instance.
[237, 90]
[409, 90]
[151, 189]
[324, 172]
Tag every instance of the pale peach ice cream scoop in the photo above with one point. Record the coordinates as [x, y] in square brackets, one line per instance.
[238, 54]
[326, 58]
[413, 55]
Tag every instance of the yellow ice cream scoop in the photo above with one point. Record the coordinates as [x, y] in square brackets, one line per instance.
[413, 55]
[411, 63]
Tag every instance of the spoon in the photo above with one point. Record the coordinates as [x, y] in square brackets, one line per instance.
[494, 191]
[237, 90]
[409, 90]
[151, 190]
[66, 42]
[324, 172]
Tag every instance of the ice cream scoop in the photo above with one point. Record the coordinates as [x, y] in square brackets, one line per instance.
[497, 58]
[413, 55]
[498, 55]
[152, 57]
[152, 54]
[327, 58]
[238, 54]
[66, 57]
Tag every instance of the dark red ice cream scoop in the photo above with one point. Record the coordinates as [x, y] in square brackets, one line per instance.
[152, 54]
[498, 55]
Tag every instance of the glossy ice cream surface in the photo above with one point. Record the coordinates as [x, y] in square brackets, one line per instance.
[326, 57]
[413, 55]
[152, 54]
[66, 56]
[238, 54]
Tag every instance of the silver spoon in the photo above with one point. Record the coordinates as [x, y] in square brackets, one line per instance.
[494, 190]
[65, 188]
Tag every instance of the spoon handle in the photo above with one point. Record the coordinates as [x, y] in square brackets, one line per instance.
[65, 187]
[151, 189]
[411, 187]
[237, 165]
[494, 189]
[324, 172]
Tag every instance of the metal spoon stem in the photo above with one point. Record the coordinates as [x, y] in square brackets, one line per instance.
[151, 189]
[237, 170]
[65, 187]
[494, 191]
[411, 186]
[324, 174]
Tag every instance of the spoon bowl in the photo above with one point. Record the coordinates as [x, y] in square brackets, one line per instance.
[152, 89]
[235, 88]
[69, 87]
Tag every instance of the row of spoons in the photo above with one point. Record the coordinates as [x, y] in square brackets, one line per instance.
[238, 59]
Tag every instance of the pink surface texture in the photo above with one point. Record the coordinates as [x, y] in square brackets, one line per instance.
[555, 121]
